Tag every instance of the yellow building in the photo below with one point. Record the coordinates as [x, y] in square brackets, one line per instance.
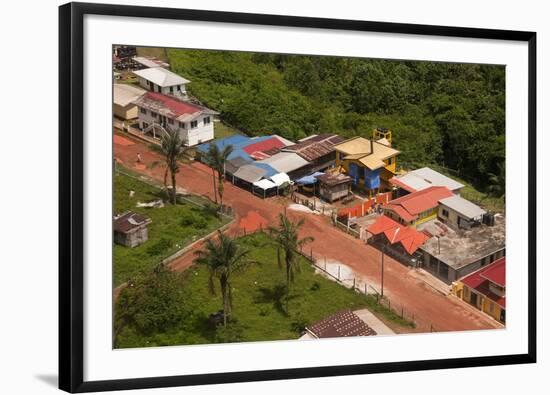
[370, 163]
[417, 207]
[485, 289]
[124, 96]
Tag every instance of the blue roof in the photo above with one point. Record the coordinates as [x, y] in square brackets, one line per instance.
[234, 140]
[309, 179]
[270, 171]
[238, 142]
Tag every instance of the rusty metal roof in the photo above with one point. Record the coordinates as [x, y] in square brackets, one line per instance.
[315, 147]
[342, 324]
[129, 221]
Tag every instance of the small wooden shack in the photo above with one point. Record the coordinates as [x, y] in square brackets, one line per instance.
[333, 186]
[130, 229]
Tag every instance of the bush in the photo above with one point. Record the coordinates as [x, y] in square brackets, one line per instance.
[232, 332]
[159, 247]
[315, 286]
[299, 324]
[194, 220]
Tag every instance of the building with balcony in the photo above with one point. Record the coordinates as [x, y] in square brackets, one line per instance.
[193, 122]
[370, 163]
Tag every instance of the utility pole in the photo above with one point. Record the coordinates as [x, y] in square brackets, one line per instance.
[382, 274]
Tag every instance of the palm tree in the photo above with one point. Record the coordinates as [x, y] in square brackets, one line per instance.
[173, 150]
[216, 159]
[223, 258]
[497, 181]
[287, 239]
[210, 159]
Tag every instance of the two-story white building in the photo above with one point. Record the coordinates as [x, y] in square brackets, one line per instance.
[193, 122]
[158, 79]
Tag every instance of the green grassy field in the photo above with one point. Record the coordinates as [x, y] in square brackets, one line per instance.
[258, 304]
[173, 227]
[222, 130]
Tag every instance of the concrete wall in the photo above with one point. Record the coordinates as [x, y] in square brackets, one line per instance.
[447, 274]
[452, 219]
[126, 113]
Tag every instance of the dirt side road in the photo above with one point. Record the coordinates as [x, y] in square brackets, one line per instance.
[430, 308]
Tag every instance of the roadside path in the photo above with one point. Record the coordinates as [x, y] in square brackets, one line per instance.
[430, 308]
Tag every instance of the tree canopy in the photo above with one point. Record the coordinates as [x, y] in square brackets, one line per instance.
[440, 113]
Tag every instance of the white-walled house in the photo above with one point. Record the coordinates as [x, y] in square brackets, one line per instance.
[194, 123]
[158, 79]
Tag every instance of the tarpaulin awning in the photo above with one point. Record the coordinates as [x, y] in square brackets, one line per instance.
[265, 184]
[280, 179]
[309, 179]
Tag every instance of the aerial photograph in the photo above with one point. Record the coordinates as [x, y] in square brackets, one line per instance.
[266, 197]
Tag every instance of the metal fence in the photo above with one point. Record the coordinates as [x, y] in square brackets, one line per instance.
[336, 273]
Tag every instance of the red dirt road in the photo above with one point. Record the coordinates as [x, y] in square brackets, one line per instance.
[430, 308]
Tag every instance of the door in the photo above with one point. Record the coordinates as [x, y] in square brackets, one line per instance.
[473, 299]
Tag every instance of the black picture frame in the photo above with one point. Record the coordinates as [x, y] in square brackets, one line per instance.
[71, 198]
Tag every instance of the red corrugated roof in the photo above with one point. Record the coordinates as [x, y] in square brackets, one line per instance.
[177, 107]
[418, 202]
[382, 224]
[260, 147]
[495, 273]
[410, 239]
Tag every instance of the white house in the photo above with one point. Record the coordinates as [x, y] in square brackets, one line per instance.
[193, 122]
[158, 79]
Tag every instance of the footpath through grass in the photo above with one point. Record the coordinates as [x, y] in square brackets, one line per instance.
[173, 227]
[259, 312]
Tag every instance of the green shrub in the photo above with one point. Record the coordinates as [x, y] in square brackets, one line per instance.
[159, 247]
[193, 220]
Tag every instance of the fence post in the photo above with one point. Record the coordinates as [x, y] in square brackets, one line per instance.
[311, 254]
[354, 283]
[325, 263]
[365, 288]
[338, 272]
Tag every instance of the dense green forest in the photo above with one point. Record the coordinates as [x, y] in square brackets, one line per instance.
[447, 114]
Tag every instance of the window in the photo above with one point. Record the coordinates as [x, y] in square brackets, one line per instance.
[390, 160]
[206, 120]
[445, 213]
[170, 121]
[194, 124]
[153, 114]
[142, 110]
[182, 125]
